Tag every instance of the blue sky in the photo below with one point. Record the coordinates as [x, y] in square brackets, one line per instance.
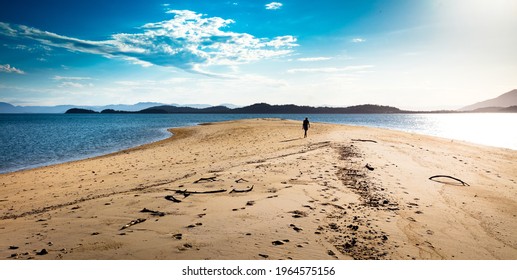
[426, 54]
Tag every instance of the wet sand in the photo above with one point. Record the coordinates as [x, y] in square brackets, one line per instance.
[256, 189]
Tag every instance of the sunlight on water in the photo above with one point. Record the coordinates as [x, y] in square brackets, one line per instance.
[487, 129]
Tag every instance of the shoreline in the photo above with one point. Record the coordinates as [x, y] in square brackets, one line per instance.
[308, 200]
[171, 134]
[491, 143]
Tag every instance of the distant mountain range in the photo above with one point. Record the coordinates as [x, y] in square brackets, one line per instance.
[506, 102]
[259, 108]
[6, 108]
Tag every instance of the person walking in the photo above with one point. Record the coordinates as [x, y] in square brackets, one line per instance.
[306, 126]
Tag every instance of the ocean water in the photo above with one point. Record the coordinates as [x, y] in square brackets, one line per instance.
[33, 140]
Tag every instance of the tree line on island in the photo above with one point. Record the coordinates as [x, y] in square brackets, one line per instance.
[264, 108]
[259, 108]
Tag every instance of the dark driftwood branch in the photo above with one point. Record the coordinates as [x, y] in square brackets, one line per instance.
[369, 167]
[208, 179]
[187, 192]
[450, 177]
[153, 212]
[132, 223]
[241, 191]
[364, 140]
[172, 198]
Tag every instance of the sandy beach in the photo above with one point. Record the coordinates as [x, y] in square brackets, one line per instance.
[256, 189]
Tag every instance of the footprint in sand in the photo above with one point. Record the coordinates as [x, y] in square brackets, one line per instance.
[297, 229]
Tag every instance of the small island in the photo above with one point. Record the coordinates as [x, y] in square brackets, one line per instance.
[80, 111]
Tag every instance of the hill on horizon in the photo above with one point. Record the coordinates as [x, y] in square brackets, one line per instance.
[503, 101]
[7, 108]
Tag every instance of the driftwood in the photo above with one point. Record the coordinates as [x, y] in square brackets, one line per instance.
[369, 167]
[364, 140]
[187, 192]
[241, 191]
[153, 212]
[132, 223]
[172, 198]
[241, 180]
[208, 179]
[450, 177]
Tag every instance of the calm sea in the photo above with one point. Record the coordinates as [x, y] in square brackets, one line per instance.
[32, 140]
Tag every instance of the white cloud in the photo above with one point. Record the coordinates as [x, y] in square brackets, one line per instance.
[274, 6]
[311, 59]
[10, 69]
[73, 85]
[189, 41]
[358, 40]
[59, 78]
[330, 69]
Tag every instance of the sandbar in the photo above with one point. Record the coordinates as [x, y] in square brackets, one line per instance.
[256, 189]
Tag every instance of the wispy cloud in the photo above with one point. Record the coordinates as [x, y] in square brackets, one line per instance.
[189, 41]
[274, 6]
[330, 69]
[311, 59]
[10, 69]
[358, 40]
[74, 85]
[59, 78]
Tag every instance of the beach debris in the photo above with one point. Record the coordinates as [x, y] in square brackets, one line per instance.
[264, 256]
[331, 253]
[132, 223]
[95, 233]
[172, 198]
[187, 192]
[369, 167]
[42, 252]
[450, 177]
[13, 247]
[241, 180]
[242, 191]
[177, 236]
[250, 203]
[207, 179]
[364, 140]
[153, 212]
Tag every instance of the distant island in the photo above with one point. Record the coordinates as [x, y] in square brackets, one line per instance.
[259, 108]
[80, 111]
[505, 103]
[264, 108]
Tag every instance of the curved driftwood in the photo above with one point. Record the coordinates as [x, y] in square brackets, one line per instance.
[172, 198]
[133, 222]
[364, 140]
[450, 177]
[241, 191]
